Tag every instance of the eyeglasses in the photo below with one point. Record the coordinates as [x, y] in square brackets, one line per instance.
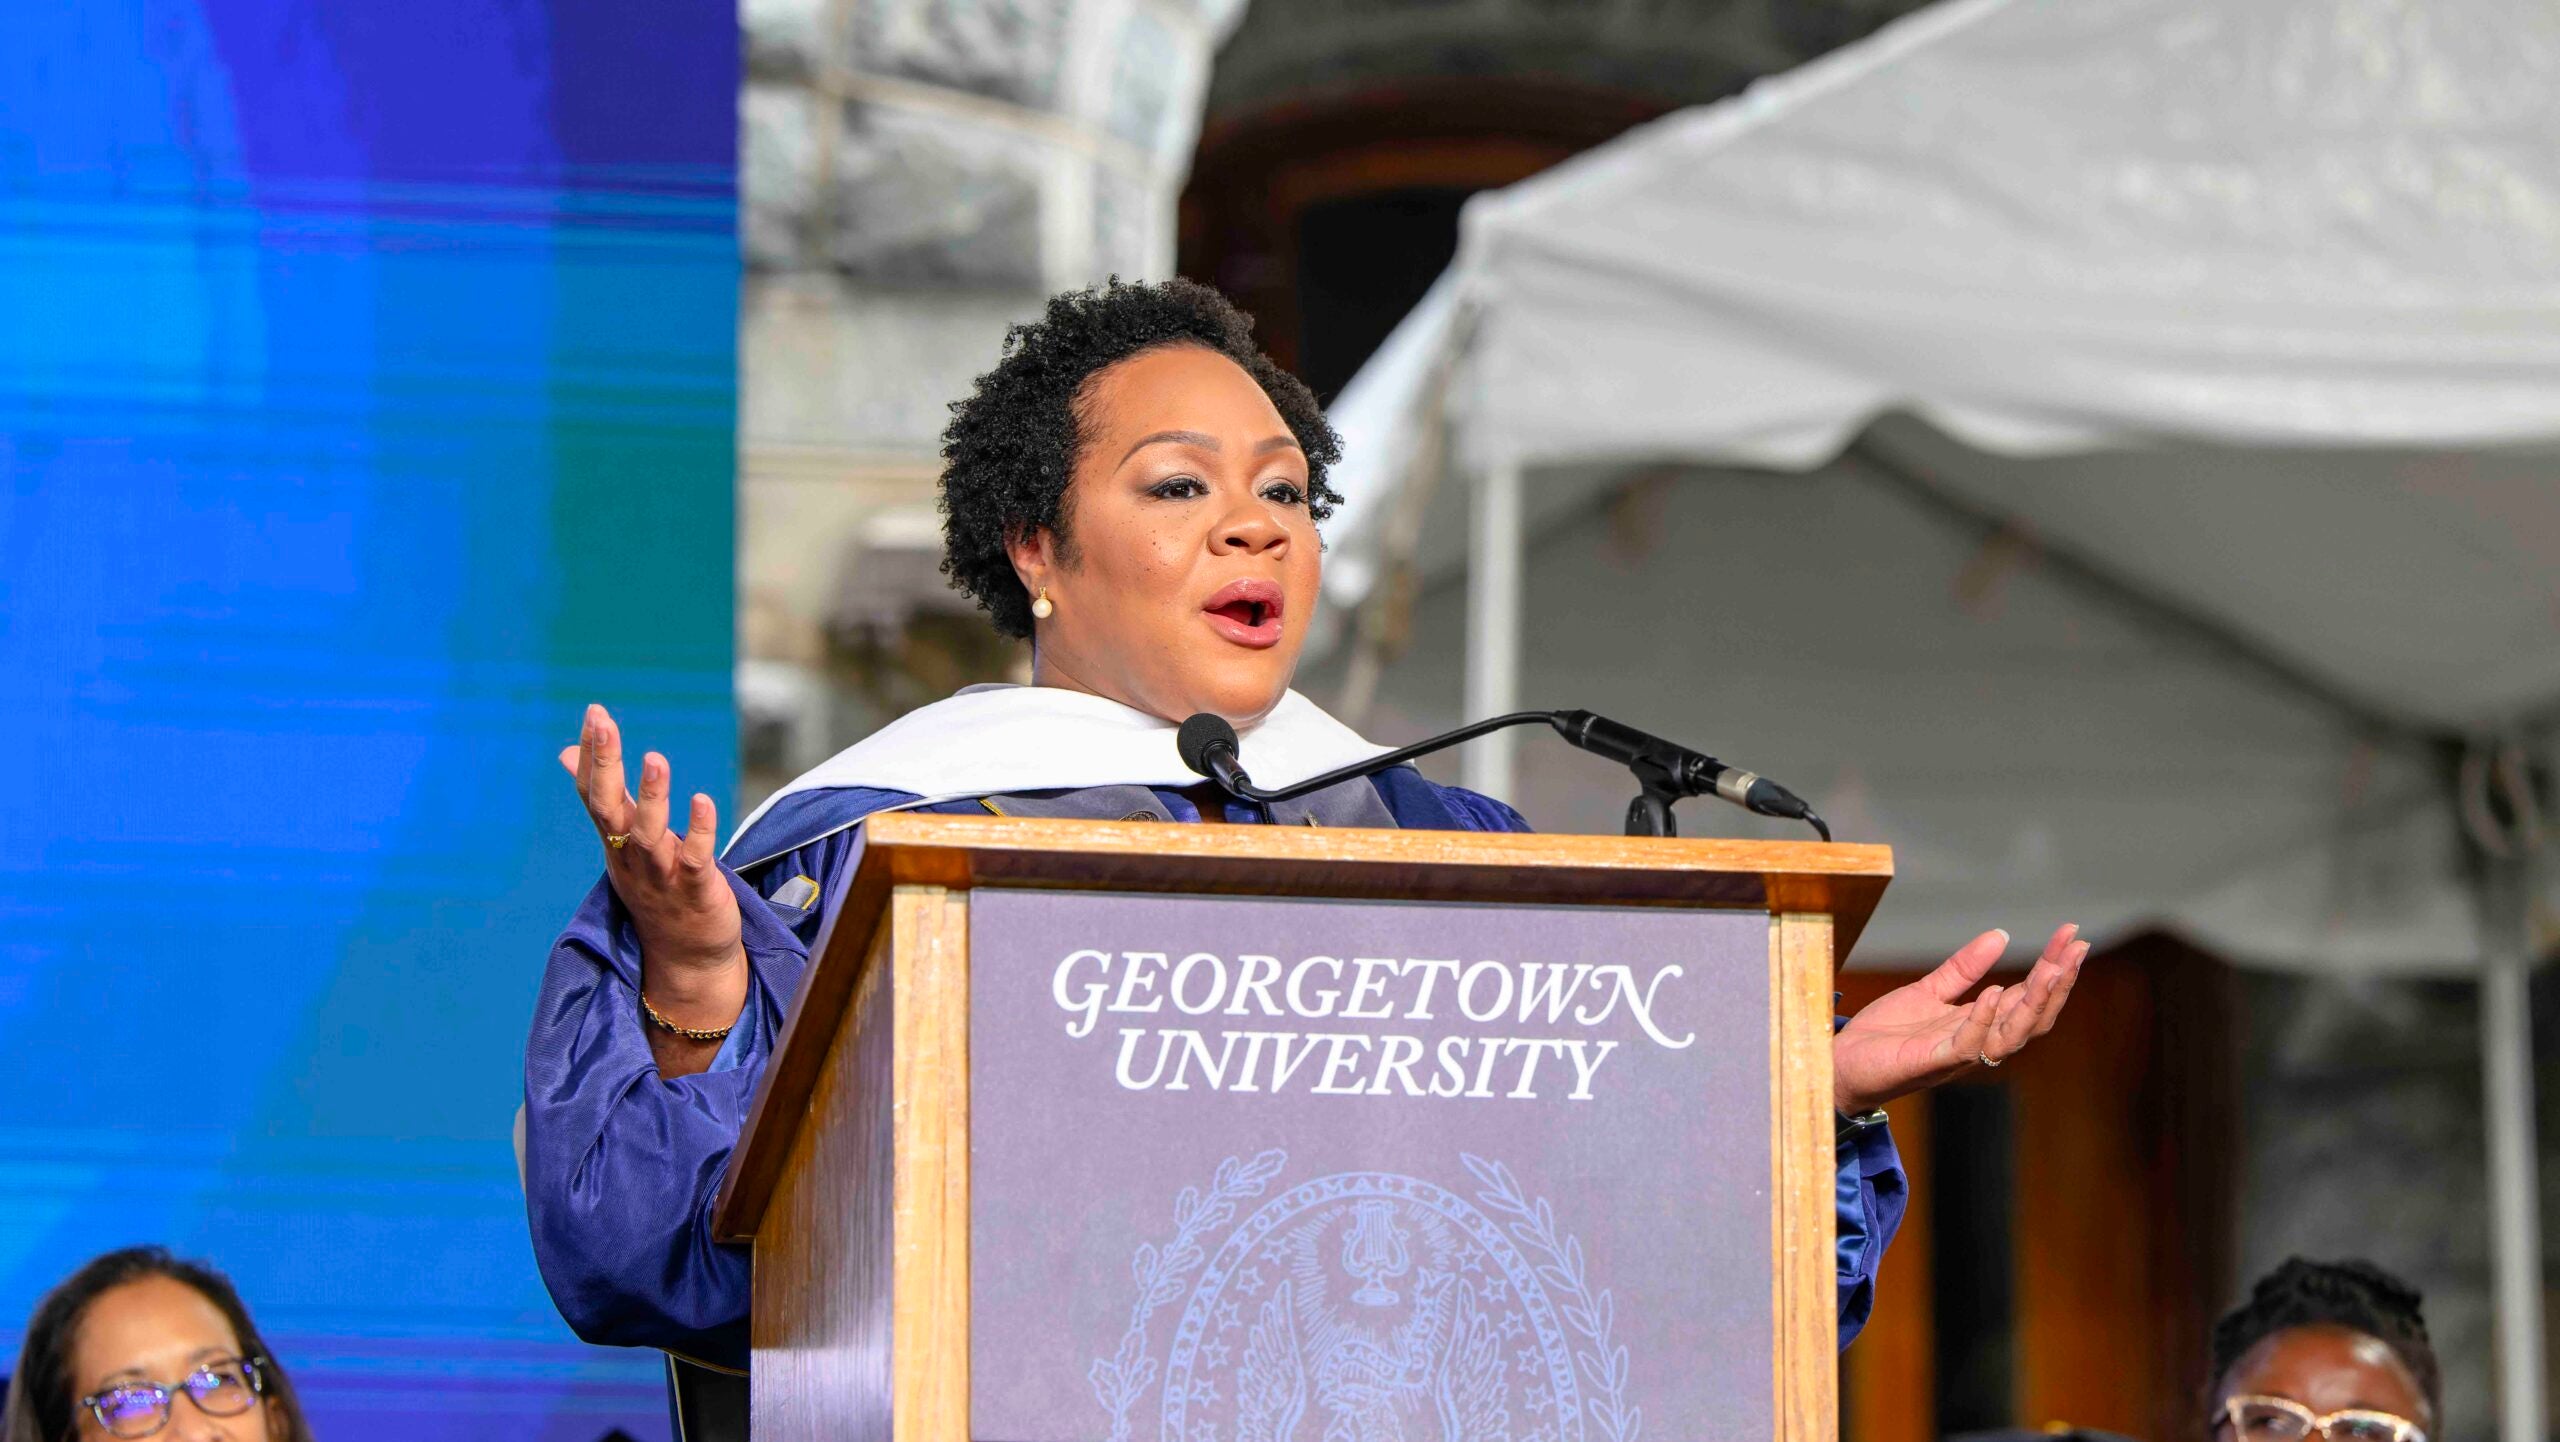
[222, 1388]
[2281, 1419]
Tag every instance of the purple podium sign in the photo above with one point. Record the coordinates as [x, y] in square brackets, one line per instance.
[1260, 1170]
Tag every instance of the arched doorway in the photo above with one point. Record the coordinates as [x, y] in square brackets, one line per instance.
[1340, 137]
[1328, 219]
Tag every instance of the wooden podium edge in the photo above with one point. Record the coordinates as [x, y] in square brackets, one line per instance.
[929, 1265]
[879, 1230]
[1805, 1303]
[1840, 882]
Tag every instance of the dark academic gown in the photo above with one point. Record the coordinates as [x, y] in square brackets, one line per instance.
[621, 1165]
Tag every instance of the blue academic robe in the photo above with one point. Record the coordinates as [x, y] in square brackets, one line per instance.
[622, 1165]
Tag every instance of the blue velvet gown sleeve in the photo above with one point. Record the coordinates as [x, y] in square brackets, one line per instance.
[621, 1164]
[1871, 1189]
[1872, 1194]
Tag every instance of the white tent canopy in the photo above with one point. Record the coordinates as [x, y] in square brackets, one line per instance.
[2036, 740]
[2228, 334]
[2255, 309]
[2048, 226]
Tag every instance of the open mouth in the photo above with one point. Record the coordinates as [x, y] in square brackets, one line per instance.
[1246, 612]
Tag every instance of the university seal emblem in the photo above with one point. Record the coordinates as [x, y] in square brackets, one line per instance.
[1366, 1307]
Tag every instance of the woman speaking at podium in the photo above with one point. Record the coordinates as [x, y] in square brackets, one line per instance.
[1137, 489]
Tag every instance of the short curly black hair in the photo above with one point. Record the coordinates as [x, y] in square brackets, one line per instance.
[1011, 446]
[2353, 1294]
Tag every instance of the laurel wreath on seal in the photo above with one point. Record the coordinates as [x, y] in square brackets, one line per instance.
[1122, 1378]
[1534, 1225]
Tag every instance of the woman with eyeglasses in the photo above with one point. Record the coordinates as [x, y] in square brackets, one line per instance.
[139, 1343]
[2334, 1348]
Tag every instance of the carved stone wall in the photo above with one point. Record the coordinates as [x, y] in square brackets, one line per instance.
[1677, 52]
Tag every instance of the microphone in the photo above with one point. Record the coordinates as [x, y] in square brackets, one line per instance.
[1667, 772]
[1669, 767]
[1207, 744]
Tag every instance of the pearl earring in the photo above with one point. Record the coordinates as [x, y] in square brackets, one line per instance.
[1041, 607]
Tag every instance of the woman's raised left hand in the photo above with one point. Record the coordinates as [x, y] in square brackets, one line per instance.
[1919, 1035]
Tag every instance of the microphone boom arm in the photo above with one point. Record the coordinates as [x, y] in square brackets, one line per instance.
[1666, 772]
[1397, 757]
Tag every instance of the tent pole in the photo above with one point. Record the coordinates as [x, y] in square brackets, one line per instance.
[2515, 1221]
[1493, 624]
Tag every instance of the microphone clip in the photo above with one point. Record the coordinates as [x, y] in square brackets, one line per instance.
[1649, 814]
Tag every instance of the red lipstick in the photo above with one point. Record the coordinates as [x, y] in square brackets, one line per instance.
[1246, 612]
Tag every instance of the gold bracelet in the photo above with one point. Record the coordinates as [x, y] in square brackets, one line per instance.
[689, 1033]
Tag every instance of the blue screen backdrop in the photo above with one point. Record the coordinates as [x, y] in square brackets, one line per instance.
[367, 398]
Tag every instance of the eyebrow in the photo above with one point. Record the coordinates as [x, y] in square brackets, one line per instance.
[196, 1358]
[1207, 442]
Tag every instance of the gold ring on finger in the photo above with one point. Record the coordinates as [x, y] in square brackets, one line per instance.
[616, 841]
[1984, 1058]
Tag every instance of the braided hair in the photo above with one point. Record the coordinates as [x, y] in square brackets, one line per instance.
[2354, 1294]
[1012, 442]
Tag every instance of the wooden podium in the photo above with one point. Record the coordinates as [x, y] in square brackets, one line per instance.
[857, 1183]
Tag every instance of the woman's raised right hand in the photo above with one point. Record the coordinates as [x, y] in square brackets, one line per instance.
[680, 904]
